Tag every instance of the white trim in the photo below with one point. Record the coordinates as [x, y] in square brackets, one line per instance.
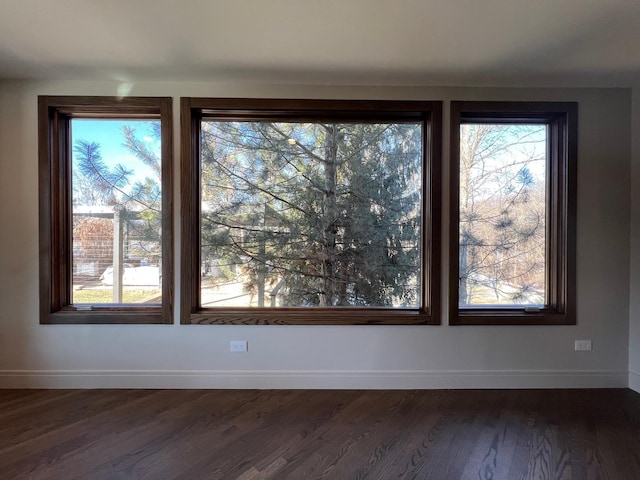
[314, 379]
[634, 381]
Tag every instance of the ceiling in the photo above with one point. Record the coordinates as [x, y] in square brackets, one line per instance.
[358, 42]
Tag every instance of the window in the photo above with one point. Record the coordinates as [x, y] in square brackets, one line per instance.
[309, 211]
[105, 210]
[513, 213]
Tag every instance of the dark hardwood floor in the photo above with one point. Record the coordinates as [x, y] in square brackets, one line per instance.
[319, 434]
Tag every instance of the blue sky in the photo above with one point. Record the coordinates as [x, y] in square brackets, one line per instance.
[108, 133]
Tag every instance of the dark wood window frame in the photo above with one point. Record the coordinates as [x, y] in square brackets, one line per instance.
[561, 119]
[54, 116]
[193, 110]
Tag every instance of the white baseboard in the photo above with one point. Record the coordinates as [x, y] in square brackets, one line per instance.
[634, 381]
[315, 379]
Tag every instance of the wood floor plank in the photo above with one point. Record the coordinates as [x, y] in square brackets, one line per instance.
[42, 451]
[315, 434]
[134, 441]
[185, 439]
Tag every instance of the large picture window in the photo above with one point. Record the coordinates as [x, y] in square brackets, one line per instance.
[105, 210]
[513, 213]
[309, 211]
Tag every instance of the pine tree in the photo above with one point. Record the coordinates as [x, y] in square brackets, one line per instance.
[331, 212]
[95, 183]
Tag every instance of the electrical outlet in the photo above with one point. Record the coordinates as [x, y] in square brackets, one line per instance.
[238, 346]
[583, 345]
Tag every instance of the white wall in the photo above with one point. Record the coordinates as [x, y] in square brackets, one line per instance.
[324, 356]
[634, 282]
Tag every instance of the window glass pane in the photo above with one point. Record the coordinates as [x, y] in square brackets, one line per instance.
[311, 214]
[503, 186]
[116, 201]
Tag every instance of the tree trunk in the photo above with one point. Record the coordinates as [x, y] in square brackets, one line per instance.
[463, 296]
[329, 219]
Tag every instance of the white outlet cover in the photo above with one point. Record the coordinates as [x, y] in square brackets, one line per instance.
[238, 346]
[583, 345]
